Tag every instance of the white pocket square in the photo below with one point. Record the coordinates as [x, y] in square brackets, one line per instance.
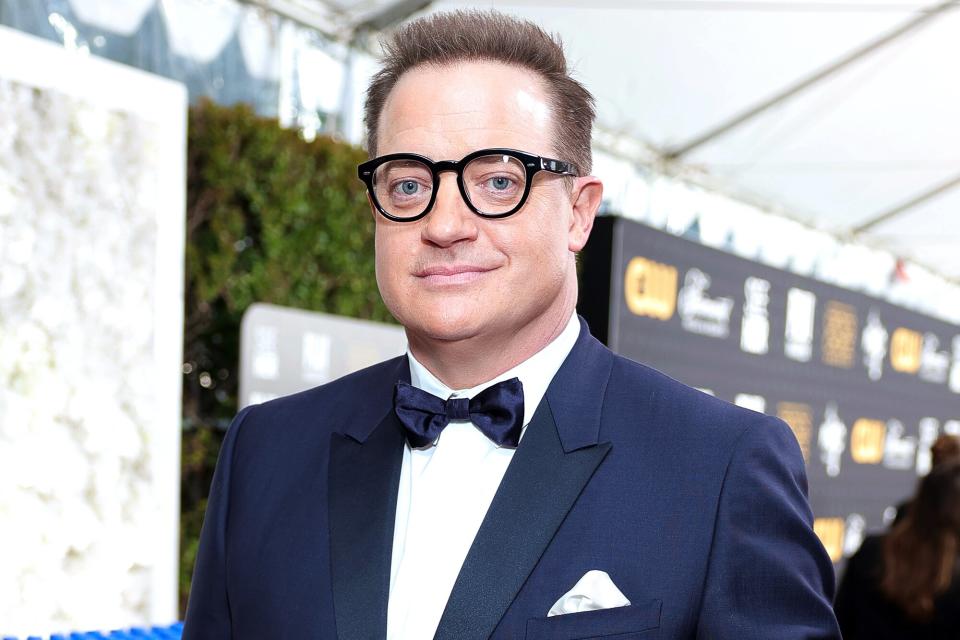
[595, 590]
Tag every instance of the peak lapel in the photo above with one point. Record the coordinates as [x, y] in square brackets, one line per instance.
[539, 488]
[362, 501]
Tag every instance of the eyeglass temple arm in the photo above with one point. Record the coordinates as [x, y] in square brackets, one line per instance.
[558, 166]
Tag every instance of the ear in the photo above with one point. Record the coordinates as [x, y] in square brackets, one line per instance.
[587, 195]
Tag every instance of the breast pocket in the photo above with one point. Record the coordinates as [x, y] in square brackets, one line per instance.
[636, 621]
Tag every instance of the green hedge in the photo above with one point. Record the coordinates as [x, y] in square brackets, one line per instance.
[270, 218]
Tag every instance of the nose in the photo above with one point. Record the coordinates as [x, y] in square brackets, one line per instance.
[451, 220]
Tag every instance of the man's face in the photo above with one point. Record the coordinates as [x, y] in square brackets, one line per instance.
[453, 275]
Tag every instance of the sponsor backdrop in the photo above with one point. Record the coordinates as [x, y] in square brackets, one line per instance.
[284, 350]
[866, 386]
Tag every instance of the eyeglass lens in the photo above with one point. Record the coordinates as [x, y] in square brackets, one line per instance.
[494, 184]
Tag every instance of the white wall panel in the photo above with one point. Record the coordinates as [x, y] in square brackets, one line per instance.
[92, 179]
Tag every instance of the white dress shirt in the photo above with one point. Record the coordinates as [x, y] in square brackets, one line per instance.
[445, 491]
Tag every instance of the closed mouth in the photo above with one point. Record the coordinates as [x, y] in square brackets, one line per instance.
[452, 275]
[450, 270]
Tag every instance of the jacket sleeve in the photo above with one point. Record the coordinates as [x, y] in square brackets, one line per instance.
[208, 612]
[768, 575]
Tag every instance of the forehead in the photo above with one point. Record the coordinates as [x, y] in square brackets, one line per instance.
[447, 111]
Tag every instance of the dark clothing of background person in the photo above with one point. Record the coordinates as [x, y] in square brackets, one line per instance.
[865, 613]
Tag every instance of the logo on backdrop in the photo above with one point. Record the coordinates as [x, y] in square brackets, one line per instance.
[650, 288]
[929, 430]
[955, 367]
[801, 306]
[856, 526]
[751, 401]
[755, 332]
[699, 312]
[934, 365]
[799, 417]
[315, 352]
[266, 358]
[873, 342]
[898, 450]
[867, 440]
[830, 531]
[839, 334]
[906, 346]
[832, 440]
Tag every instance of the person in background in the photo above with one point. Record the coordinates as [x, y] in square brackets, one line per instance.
[906, 584]
[945, 448]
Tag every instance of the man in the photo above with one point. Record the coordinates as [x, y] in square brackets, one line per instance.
[396, 503]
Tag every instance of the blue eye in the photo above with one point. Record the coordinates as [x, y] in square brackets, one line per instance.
[409, 187]
[500, 183]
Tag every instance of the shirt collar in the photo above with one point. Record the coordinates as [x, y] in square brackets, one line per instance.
[535, 373]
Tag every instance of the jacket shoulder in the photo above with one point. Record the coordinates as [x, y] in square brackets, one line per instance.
[660, 397]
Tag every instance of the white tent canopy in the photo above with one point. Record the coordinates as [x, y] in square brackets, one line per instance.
[865, 147]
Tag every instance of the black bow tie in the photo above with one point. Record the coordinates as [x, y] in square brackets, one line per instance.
[497, 411]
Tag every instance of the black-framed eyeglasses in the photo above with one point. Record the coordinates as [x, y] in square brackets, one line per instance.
[494, 183]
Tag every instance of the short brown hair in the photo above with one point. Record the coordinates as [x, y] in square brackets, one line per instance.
[447, 38]
[946, 448]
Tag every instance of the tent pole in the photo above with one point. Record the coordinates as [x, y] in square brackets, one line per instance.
[880, 218]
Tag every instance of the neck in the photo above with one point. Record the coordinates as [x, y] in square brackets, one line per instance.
[463, 364]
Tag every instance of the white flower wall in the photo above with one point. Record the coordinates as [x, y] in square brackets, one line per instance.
[91, 255]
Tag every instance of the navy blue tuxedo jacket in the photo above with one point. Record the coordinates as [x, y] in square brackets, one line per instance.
[696, 508]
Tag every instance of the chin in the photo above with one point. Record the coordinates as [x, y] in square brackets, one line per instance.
[445, 327]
